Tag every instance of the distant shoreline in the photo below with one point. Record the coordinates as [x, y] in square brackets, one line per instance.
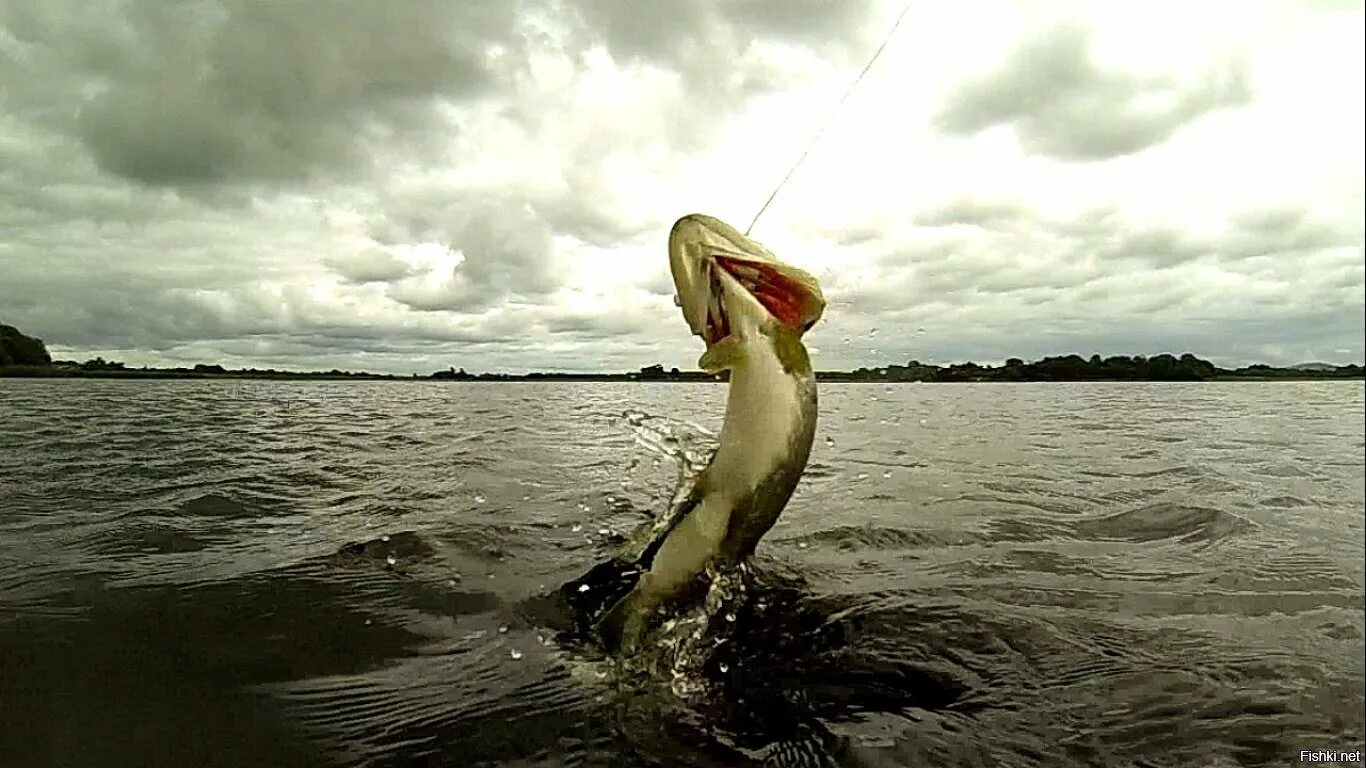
[887, 375]
[23, 356]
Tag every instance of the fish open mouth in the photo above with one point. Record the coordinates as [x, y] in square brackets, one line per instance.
[787, 298]
[790, 299]
[718, 271]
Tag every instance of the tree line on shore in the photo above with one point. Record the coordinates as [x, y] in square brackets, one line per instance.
[22, 355]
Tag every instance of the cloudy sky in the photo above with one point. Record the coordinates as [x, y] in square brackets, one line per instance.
[407, 185]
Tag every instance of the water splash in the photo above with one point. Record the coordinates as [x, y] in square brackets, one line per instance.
[673, 439]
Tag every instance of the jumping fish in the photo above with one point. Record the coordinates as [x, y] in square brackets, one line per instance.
[751, 310]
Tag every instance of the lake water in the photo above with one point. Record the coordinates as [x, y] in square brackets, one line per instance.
[211, 573]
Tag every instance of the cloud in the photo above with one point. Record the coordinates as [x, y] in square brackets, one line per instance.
[498, 251]
[243, 91]
[690, 36]
[983, 268]
[1063, 105]
[1286, 231]
[988, 214]
[240, 90]
[373, 265]
[490, 186]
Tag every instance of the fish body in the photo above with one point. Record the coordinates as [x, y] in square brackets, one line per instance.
[751, 311]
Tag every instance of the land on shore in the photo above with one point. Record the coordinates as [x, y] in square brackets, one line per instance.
[26, 356]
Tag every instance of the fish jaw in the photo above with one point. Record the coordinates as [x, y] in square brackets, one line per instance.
[728, 284]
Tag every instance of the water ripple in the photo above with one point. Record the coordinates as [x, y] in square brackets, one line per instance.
[287, 573]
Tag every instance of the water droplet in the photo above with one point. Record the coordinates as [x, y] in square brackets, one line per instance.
[450, 582]
[922, 422]
[479, 498]
[604, 531]
[368, 622]
[583, 587]
[829, 442]
[919, 331]
[872, 332]
[611, 499]
[730, 617]
[862, 476]
[887, 474]
[384, 537]
[845, 341]
[503, 630]
[801, 545]
[526, 498]
[723, 666]
[575, 528]
[391, 560]
[516, 654]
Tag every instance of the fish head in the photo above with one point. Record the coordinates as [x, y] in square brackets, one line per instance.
[720, 273]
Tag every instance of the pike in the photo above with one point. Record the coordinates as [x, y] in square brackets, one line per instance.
[751, 311]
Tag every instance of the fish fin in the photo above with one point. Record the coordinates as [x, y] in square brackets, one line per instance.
[788, 347]
[597, 592]
[622, 627]
[722, 355]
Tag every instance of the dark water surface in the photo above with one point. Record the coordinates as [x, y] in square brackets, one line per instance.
[312, 574]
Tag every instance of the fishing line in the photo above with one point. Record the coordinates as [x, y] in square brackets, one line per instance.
[829, 118]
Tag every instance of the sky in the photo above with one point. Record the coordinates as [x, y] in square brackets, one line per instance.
[412, 185]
